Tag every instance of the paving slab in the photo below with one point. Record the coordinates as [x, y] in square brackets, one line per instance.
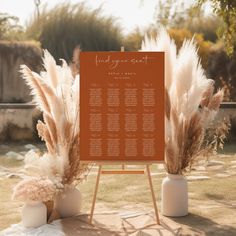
[105, 224]
[197, 177]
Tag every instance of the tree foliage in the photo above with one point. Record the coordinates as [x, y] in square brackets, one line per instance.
[132, 41]
[222, 69]
[180, 15]
[9, 27]
[226, 10]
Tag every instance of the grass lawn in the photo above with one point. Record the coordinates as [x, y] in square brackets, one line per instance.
[212, 202]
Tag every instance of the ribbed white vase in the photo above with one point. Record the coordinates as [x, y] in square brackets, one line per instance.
[34, 214]
[174, 196]
[69, 203]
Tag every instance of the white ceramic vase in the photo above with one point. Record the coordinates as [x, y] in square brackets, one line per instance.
[174, 196]
[34, 214]
[69, 203]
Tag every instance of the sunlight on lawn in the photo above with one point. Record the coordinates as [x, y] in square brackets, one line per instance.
[207, 198]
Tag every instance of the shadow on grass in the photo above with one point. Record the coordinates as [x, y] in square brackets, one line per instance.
[204, 226]
[229, 148]
[79, 226]
[214, 196]
[219, 198]
[108, 224]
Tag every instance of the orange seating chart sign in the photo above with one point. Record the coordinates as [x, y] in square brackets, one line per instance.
[122, 106]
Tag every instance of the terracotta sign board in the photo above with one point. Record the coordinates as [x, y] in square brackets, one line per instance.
[122, 106]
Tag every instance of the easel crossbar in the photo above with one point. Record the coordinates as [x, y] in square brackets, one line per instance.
[129, 172]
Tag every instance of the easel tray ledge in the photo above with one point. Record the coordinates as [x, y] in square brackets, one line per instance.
[123, 162]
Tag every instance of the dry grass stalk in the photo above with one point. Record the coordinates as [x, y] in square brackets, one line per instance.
[37, 90]
[50, 123]
[189, 88]
[207, 95]
[215, 101]
[57, 94]
[167, 104]
[45, 135]
[214, 137]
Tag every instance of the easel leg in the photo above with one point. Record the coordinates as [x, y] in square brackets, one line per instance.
[153, 194]
[95, 194]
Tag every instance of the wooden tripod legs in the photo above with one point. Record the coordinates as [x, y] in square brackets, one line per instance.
[153, 194]
[129, 172]
[95, 194]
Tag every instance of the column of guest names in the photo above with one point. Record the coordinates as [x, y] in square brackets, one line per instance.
[122, 105]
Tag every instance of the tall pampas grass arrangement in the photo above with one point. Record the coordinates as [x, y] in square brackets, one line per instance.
[56, 93]
[190, 102]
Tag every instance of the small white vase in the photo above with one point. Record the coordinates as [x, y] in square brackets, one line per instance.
[69, 203]
[34, 214]
[174, 196]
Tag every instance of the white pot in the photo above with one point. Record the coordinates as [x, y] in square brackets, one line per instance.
[69, 203]
[174, 196]
[34, 214]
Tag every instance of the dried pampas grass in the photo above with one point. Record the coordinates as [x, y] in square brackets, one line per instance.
[187, 89]
[34, 189]
[56, 93]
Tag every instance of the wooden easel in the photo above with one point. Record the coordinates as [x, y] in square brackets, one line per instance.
[125, 171]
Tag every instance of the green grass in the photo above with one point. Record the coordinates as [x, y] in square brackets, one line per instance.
[9, 210]
[210, 201]
[116, 191]
[214, 189]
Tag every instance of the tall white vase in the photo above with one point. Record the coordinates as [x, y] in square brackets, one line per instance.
[174, 196]
[34, 214]
[70, 203]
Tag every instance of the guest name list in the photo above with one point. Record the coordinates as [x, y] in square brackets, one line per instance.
[122, 106]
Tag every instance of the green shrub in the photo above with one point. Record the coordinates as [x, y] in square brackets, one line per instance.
[205, 25]
[222, 68]
[204, 46]
[133, 40]
[179, 35]
[66, 26]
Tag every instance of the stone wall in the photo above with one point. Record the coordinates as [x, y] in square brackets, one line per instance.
[12, 55]
[18, 121]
